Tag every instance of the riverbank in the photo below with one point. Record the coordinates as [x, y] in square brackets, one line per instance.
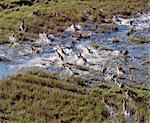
[54, 16]
[36, 96]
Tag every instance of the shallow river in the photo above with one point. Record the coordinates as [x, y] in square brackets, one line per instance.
[136, 65]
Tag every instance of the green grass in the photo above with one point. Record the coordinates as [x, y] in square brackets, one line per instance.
[56, 16]
[40, 97]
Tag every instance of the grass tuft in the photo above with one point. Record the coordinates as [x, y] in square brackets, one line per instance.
[37, 96]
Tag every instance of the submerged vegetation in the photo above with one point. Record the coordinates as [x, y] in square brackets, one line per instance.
[37, 96]
[139, 39]
[56, 15]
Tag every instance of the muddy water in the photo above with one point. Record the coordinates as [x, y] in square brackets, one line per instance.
[136, 65]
